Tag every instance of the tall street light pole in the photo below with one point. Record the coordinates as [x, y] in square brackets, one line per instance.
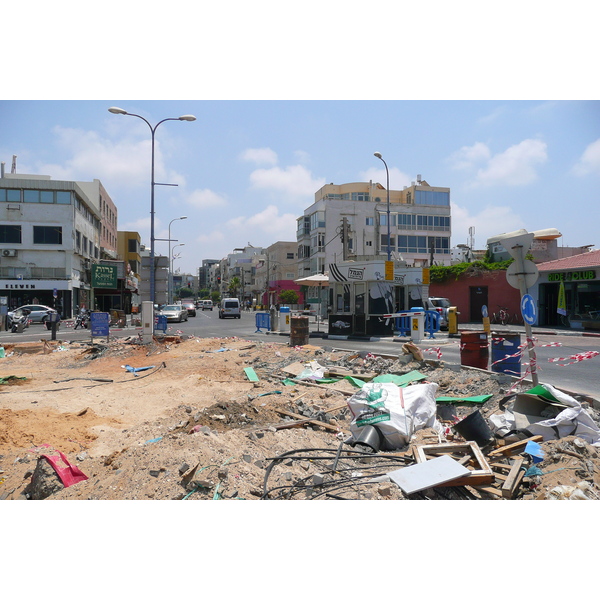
[119, 111]
[170, 281]
[389, 252]
[173, 257]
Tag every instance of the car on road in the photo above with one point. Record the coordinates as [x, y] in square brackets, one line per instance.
[207, 305]
[439, 305]
[191, 308]
[175, 312]
[38, 313]
[230, 307]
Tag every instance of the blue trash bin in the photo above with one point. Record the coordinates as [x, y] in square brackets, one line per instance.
[503, 345]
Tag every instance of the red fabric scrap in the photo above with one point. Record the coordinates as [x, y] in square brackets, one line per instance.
[70, 474]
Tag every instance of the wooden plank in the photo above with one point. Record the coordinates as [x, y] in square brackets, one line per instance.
[303, 418]
[513, 480]
[500, 466]
[515, 448]
[480, 475]
[488, 489]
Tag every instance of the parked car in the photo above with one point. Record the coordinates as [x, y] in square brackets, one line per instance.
[440, 305]
[175, 312]
[191, 308]
[38, 313]
[230, 307]
[207, 305]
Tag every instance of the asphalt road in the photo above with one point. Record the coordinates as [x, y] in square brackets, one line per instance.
[578, 377]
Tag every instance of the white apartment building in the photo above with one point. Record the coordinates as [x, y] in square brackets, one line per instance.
[349, 222]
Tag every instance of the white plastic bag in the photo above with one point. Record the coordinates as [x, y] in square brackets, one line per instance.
[396, 412]
[573, 420]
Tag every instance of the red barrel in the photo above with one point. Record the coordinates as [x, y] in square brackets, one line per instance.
[474, 349]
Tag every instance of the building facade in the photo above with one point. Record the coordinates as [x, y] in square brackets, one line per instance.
[275, 272]
[350, 222]
[49, 239]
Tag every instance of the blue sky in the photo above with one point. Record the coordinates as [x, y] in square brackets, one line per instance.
[290, 97]
[247, 169]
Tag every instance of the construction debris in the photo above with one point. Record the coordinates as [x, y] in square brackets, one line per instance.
[224, 419]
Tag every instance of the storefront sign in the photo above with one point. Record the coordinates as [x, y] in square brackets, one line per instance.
[104, 276]
[572, 276]
[355, 274]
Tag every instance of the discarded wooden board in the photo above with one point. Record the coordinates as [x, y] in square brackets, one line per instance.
[251, 374]
[515, 448]
[287, 413]
[514, 479]
[428, 474]
[480, 475]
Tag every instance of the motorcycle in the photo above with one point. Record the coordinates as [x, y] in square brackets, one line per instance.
[19, 321]
[82, 320]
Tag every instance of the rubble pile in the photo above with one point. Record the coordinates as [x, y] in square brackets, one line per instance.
[225, 418]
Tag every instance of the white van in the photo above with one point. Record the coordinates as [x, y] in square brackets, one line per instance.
[207, 305]
[230, 307]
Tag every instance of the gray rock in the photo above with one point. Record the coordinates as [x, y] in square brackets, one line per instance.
[44, 481]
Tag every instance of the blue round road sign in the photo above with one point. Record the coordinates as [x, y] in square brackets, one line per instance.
[528, 309]
[484, 311]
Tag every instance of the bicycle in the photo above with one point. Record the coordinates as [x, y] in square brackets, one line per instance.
[502, 316]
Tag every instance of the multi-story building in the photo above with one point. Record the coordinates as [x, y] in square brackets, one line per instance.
[275, 271]
[350, 222]
[49, 239]
[204, 273]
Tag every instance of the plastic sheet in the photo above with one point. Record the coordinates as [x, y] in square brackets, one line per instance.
[396, 412]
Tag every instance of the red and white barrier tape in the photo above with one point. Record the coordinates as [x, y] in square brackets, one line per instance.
[575, 358]
[436, 351]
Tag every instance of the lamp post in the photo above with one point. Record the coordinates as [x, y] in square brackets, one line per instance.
[119, 111]
[173, 257]
[389, 252]
[170, 281]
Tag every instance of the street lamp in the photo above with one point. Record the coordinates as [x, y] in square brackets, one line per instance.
[119, 111]
[378, 155]
[170, 282]
[173, 257]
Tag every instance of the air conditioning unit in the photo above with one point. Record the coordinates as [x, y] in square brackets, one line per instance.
[9, 252]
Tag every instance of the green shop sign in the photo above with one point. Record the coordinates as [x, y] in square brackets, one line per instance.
[104, 276]
[572, 276]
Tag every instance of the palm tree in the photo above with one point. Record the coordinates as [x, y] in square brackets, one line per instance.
[234, 284]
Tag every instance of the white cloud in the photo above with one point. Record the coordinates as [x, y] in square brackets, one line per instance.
[293, 182]
[205, 199]
[514, 166]
[589, 161]
[216, 235]
[468, 156]
[491, 221]
[269, 222]
[125, 162]
[259, 156]
[398, 179]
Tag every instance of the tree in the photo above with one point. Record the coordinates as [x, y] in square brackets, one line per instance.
[288, 297]
[234, 285]
[215, 297]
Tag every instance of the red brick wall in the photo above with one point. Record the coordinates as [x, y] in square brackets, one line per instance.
[499, 293]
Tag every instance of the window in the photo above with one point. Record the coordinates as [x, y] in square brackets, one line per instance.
[383, 219]
[368, 243]
[432, 198]
[290, 256]
[317, 219]
[10, 195]
[384, 243]
[132, 245]
[63, 197]
[32, 196]
[370, 221]
[47, 235]
[360, 196]
[10, 234]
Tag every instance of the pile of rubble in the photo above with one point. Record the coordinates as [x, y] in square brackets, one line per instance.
[189, 418]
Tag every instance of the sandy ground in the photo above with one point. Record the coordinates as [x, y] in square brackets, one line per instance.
[191, 425]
